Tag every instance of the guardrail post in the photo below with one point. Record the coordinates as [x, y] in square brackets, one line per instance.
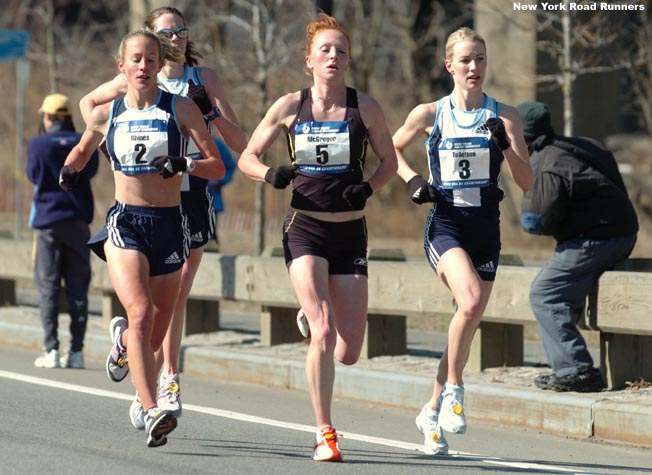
[385, 334]
[278, 325]
[202, 316]
[7, 292]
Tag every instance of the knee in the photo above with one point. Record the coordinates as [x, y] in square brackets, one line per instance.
[323, 336]
[471, 309]
[348, 357]
[140, 319]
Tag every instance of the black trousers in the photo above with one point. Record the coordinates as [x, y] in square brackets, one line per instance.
[62, 253]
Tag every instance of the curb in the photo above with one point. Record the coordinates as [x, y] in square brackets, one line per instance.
[576, 415]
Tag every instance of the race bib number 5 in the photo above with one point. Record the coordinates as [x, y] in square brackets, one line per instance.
[322, 147]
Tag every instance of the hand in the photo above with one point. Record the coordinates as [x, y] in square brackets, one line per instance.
[168, 166]
[421, 191]
[280, 177]
[68, 177]
[198, 94]
[356, 195]
[497, 128]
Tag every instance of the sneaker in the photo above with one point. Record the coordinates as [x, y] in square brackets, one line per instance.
[169, 394]
[136, 413]
[586, 382]
[543, 380]
[427, 423]
[74, 359]
[451, 409]
[327, 449]
[158, 424]
[117, 365]
[49, 359]
[302, 323]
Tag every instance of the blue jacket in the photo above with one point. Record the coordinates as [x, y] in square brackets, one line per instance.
[45, 157]
[215, 186]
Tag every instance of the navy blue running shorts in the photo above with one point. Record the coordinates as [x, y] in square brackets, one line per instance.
[475, 230]
[198, 207]
[161, 234]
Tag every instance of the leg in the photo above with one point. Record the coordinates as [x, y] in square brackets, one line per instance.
[558, 294]
[471, 296]
[47, 277]
[129, 272]
[309, 276]
[349, 297]
[77, 276]
[167, 357]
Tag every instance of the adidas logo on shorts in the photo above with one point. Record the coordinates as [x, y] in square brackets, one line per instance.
[487, 267]
[197, 237]
[173, 258]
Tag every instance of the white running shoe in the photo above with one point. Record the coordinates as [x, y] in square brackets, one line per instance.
[169, 394]
[49, 359]
[74, 359]
[117, 364]
[451, 409]
[302, 323]
[136, 413]
[158, 424]
[434, 441]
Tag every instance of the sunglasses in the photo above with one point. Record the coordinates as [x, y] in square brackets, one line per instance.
[168, 32]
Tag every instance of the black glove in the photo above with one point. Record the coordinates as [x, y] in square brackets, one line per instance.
[168, 165]
[421, 191]
[280, 177]
[198, 94]
[68, 177]
[356, 195]
[497, 128]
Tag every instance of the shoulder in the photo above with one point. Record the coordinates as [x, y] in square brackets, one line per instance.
[505, 111]
[286, 105]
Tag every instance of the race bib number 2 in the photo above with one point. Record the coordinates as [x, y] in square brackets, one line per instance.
[322, 147]
[464, 162]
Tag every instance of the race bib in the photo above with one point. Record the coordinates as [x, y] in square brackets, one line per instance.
[322, 147]
[138, 140]
[464, 162]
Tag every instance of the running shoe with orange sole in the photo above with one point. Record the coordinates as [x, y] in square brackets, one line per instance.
[327, 449]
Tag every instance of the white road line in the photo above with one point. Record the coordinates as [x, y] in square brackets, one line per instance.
[286, 425]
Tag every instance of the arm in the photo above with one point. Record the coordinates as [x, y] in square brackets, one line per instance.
[32, 167]
[90, 139]
[192, 125]
[544, 204]
[516, 155]
[227, 123]
[380, 140]
[102, 94]
[276, 120]
[417, 123]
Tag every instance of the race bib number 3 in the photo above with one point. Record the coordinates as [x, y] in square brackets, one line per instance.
[464, 162]
[322, 147]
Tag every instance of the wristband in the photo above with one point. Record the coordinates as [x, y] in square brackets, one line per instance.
[190, 164]
[216, 113]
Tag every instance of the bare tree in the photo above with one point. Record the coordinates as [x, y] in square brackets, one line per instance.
[639, 66]
[577, 43]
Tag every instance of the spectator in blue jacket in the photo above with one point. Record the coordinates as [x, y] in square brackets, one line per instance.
[61, 220]
[215, 186]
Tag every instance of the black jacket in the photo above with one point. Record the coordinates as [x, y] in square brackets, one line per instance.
[577, 191]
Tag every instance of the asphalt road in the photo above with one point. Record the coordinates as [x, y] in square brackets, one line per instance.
[75, 421]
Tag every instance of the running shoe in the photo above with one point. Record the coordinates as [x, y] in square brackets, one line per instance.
[434, 441]
[49, 359]
[169, 394]
[302, 323]
[117, 365]
[158, 424]
[136, 413]
[327, 449]
[73, 359]
[451, 409]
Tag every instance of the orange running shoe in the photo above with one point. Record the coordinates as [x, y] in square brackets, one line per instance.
[327, 449]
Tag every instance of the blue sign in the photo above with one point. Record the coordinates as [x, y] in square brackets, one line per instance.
[13, 44]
